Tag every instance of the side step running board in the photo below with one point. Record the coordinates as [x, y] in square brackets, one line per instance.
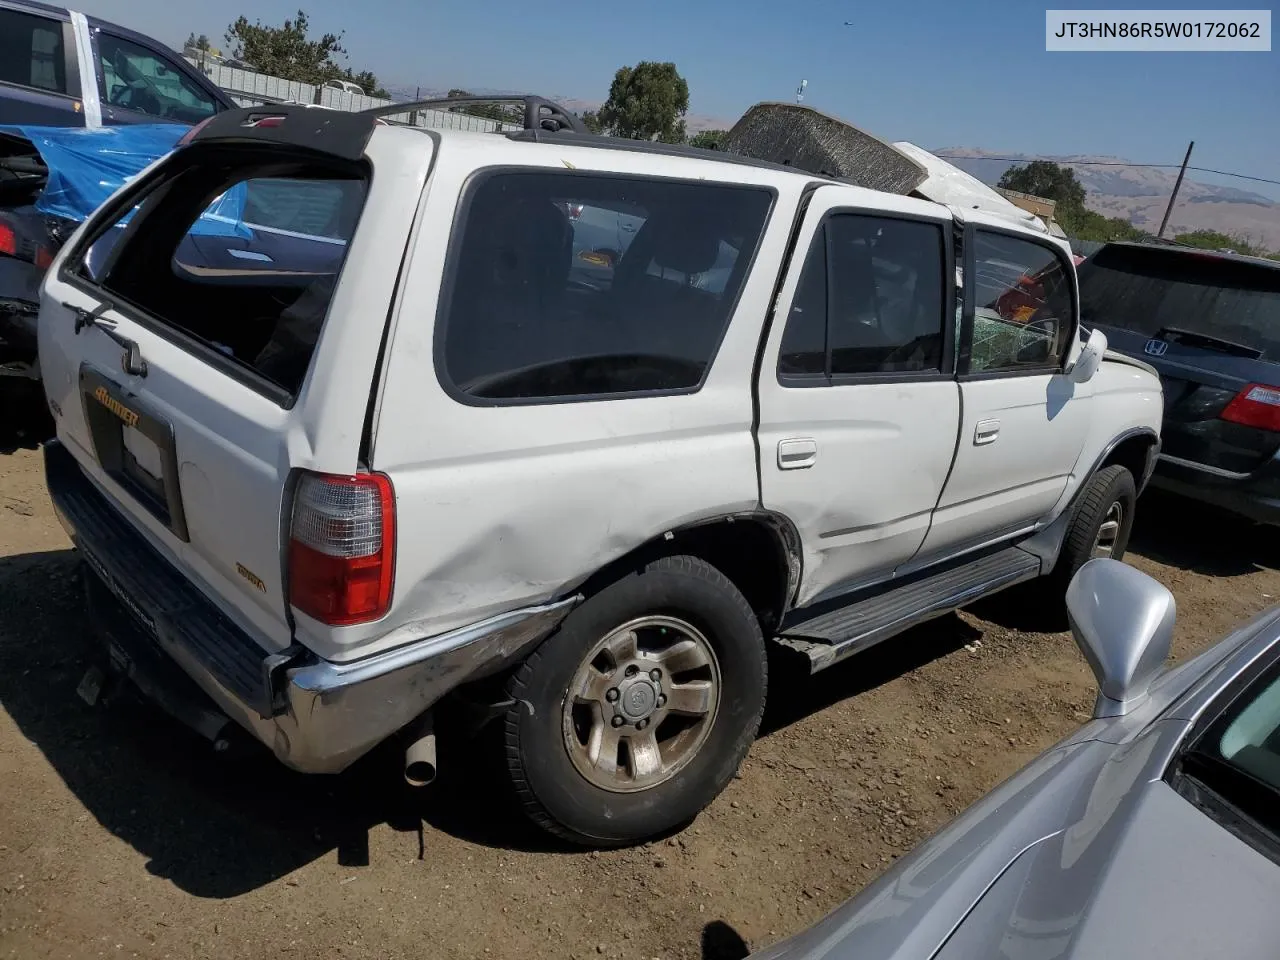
[829, 637]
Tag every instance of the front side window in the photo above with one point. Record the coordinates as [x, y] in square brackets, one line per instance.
[135, 78]
[1022, 306]
[31, 53]
[195, 257]
[869, 301]
[564, 285]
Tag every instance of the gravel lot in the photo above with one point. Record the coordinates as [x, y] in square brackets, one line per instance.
[123, 836]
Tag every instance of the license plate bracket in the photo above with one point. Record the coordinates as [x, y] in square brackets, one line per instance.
[135, 447]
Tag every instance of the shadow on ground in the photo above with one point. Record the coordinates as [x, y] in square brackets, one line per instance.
[219, 827]
[216, 827]
[1193, 536]
[721, 942]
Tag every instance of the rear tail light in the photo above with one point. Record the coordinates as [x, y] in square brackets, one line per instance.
[342, 547]
[1256, 405]
[15, 243]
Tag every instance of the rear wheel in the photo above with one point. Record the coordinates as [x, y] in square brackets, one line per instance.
[637, 712]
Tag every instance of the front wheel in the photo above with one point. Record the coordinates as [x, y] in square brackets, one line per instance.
[636, 713]
[1102, 523]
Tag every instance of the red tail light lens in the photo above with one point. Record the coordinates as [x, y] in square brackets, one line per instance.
[8, 241]
[342, 547]
[1257, 405]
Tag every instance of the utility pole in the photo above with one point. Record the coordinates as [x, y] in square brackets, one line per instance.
[1177, 185]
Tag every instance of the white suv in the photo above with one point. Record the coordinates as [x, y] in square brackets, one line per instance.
[350, 418]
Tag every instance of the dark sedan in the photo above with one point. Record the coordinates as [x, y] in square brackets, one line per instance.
[1210, 325]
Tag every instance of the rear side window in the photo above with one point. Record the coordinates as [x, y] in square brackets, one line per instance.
[1153, 290]
[571, 285]
[31, 52]
[241, 265]
[869, 301]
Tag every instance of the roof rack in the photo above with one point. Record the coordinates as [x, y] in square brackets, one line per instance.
[539, 112]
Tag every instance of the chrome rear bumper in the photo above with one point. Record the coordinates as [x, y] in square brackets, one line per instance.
[316, 716]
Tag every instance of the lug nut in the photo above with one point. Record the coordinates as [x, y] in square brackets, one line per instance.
[632, 670]
[655, 674]
[611, 694]
[616, 721]
[662, 699]
[641, 724]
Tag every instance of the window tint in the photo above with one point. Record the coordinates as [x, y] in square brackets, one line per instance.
[192, 258]
[581, 284]
[31, 52]
[135, 78]
[1150, 289]
[885, 309]
[804, 341]
[1022, 305]
[871, 294]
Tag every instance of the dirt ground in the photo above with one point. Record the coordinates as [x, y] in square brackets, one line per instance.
[123, 836]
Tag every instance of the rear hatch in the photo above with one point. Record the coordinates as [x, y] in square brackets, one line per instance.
[214, 332]
[1210, 324]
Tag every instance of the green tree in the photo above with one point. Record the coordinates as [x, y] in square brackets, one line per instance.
[1044, 178]
[707, 139]
[591, 120]
[647, 102]
[1214, 240]
[368, 83]
[1083, 224]
[202, 42]
[287, 51]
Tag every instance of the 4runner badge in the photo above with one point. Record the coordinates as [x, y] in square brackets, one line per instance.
[130, 417]
[251, 577]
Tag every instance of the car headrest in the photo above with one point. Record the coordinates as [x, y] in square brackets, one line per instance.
[684, 244]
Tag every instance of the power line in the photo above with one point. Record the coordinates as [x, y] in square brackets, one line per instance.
[1114, 163]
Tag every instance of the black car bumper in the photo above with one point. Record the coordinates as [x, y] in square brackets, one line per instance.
[1255, 495]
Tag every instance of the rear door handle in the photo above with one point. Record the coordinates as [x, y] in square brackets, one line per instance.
[797, 454]
[986, 432]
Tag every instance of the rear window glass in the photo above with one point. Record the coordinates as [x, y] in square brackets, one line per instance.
[1149, 290]
[245, 265]
[570, 285]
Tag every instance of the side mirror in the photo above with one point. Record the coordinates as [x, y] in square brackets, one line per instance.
[1090, 357]
[1122, 621]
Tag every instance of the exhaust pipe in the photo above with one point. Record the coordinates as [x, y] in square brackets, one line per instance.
[420, 755]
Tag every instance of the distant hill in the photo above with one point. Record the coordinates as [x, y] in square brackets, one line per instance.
[1140, 195]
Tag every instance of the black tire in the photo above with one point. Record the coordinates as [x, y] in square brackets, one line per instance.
[548, 785]
[1110, 485]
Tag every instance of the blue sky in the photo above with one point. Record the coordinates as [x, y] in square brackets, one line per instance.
[934, 72]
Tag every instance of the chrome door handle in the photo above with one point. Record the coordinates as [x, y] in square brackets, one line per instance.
[986, 432]
[797, 454]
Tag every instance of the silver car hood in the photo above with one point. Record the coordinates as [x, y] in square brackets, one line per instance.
[1163, 880]
[1055, 831]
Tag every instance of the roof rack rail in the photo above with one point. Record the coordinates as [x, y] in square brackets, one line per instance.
[539, 112]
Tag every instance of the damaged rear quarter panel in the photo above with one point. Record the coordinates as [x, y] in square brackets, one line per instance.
[502, 506]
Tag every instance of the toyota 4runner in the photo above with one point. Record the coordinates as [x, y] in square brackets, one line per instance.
[351, 417]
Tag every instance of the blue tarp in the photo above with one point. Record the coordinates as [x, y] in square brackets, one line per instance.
[86, 166]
